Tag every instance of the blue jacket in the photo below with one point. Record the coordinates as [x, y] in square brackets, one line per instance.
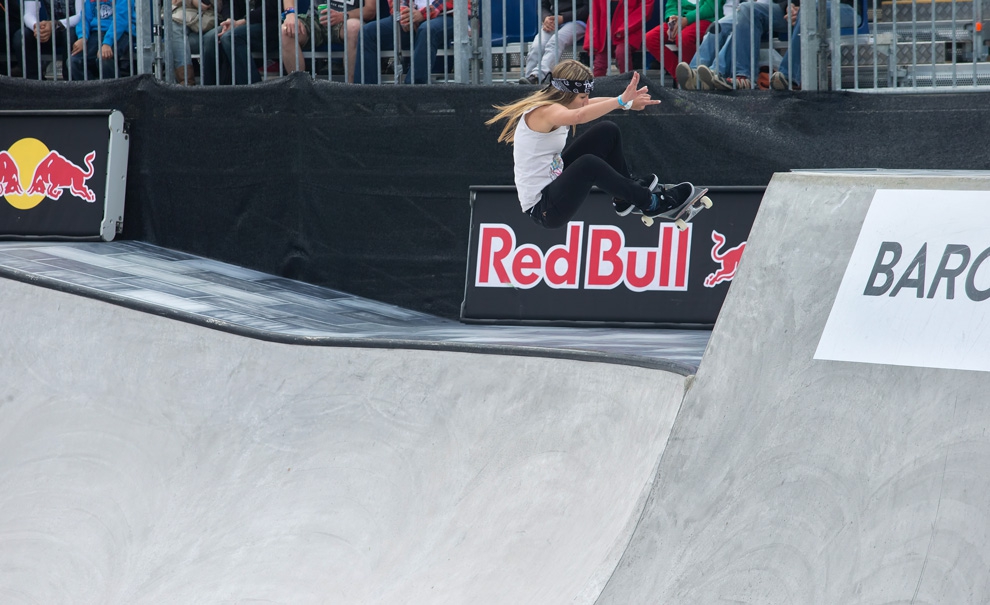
[99, 16]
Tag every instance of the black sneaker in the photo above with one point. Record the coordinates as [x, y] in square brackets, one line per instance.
[622, 207]
[670, 200]
[649, 181]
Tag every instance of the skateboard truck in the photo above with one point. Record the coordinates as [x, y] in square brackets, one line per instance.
[688, 212]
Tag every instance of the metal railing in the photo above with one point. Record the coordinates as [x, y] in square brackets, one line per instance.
[878, 45]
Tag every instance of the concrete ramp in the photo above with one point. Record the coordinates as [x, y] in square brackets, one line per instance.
[794, 479]
[145, 460]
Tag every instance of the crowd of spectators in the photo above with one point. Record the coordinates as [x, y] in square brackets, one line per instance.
[702, 44]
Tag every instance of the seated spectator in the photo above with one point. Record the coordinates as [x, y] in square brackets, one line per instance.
[756, 22]
[427, 26]
[789, 75]
[625, 32]
[686, 22]
[557, 33]
[51, 34]
[102, 49]
[715, 38]
[227, 50]
[185, 36]
[295, 32]
[752, 26]
[10, 23]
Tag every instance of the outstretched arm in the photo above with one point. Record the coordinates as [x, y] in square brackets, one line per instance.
[548, 117]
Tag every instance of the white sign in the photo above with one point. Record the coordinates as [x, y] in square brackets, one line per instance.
[916, 291]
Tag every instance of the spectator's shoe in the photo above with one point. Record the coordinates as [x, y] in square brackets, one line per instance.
[530, 79]
[779, 81]
[737, 83]
[622, 207]
[686, 77]
[706, 78]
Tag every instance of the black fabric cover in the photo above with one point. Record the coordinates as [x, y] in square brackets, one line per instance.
[365, 188]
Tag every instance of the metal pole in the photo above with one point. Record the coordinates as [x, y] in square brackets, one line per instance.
[462, 48]
[486, 41]
[809, 43]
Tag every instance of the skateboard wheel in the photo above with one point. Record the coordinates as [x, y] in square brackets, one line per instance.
[680, 224]
[648, 221]
[706, 202]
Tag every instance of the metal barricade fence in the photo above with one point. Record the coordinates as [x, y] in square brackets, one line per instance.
[877, 45]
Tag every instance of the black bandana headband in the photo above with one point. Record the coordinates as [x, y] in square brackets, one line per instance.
[574, 86]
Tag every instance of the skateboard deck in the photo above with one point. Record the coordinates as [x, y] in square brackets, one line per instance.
[681, 217]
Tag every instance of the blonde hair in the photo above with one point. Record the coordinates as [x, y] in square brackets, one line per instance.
[513, 112]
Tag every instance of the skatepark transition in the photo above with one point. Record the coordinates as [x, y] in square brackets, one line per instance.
[832, 447]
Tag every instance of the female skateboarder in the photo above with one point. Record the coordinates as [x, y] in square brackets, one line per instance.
[552, 180]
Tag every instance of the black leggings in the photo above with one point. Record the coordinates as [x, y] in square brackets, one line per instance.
[592, 159]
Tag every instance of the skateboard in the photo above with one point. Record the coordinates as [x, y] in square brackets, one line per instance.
[683, 215]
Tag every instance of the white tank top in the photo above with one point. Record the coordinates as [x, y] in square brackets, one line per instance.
[537, 160]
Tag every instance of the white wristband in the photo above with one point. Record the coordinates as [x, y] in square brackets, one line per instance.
[624, 106]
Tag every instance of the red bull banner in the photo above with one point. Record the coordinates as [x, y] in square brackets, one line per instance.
[62, 174]
[602, 268]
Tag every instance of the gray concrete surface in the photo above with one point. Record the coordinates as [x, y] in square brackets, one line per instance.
[793, 480]
[147, 460]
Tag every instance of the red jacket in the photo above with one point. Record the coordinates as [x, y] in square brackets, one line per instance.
[599, 15]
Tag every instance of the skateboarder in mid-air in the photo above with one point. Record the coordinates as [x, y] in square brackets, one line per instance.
[552, 180]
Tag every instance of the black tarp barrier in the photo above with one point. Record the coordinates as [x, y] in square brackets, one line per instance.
[366, 188]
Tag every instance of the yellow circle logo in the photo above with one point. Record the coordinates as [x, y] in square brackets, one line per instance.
[17, 165]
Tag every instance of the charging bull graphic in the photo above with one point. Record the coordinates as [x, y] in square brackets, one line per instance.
[56, 173]
[729, 260]
[10, 182]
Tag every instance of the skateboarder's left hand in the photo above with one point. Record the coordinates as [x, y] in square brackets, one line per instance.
[640, 97]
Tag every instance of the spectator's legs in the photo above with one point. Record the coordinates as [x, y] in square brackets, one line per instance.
[751, 22]
[292, 43]
[350, 55]
[57, 46]
[375, 33]
[179, 38]
[623, 61]
[654, 41]
[234, 45]
[119, 64]
[792, 58]
[208, 57]
[427, 45]
[566, 36]
[600, 64]
[29, 65]
[708, 51]
[687, 41]
[83, 66]
[536, 53]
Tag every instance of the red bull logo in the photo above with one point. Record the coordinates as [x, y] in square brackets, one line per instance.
[48, 172]
[728, 260]
[608, 262]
